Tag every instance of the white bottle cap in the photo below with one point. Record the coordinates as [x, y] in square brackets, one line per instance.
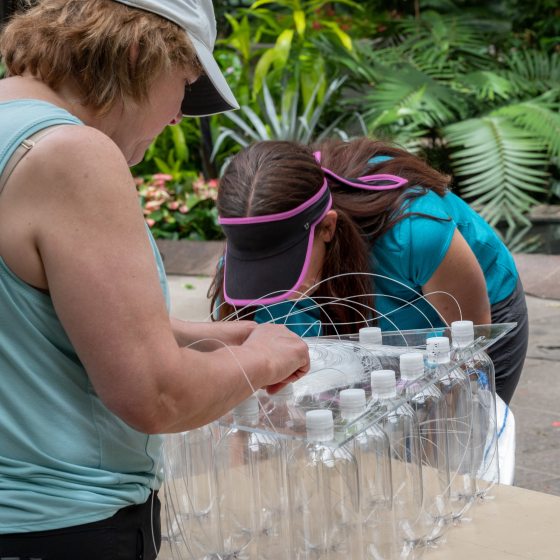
[384, 383]
[462, 333]
[438, 350]
[370, 335]
[286, 391]
[352, 401]
[248, 407]
[319, 425]
[412, 365]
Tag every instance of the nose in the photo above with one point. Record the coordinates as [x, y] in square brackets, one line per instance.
[177, 118]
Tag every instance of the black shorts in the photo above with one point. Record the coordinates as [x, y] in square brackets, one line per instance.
[133, 533]
[508, 353]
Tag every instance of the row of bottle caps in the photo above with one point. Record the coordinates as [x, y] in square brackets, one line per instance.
[318, 423]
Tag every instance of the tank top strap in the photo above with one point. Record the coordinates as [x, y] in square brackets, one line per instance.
[21, 151]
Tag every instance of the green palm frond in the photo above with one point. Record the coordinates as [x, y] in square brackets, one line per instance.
[416, 94]
[499, 165]
[539, 116]
[450, 37]
[487, 85]
[532, 72]
[522, 240]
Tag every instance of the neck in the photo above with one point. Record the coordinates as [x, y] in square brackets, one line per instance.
[65, 97]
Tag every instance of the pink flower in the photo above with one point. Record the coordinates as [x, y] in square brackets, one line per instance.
[150, 222]
[198, 184]
[183, 209]
[173, 205]
[213, 184]
[152, 205]
[162, 177]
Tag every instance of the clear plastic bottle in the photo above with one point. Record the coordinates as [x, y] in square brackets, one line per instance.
[480, 370]
[455, 387]
[370, 446]
[281, 413]
[380, 357]
[399, 422]
[323, 489]
[191, 497]
[250, 469]
[430, 407]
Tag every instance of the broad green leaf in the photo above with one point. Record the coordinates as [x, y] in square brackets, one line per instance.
[179, 143]
[263, 66]
[299, 21]
[283, 46]
[343, 37]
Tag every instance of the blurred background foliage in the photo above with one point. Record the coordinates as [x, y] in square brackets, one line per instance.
[470, 85]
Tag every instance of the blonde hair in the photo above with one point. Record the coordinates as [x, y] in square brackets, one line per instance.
[108, 51]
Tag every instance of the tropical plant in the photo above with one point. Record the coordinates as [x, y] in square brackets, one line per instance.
[180, 211]
[440, 89]
[174, 152]
[280, 34]
[282, 121]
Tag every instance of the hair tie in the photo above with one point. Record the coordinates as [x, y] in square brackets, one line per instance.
[365, 182]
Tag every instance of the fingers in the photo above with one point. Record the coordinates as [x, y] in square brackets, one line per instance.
[286, 354]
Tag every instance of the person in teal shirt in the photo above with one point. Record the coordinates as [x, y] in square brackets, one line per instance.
[349, 234]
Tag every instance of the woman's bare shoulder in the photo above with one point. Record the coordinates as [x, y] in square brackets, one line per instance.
[73, 154]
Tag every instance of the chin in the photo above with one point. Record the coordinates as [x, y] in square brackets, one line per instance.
[134, 160]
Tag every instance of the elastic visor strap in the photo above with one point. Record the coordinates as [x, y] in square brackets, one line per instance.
[364, 182]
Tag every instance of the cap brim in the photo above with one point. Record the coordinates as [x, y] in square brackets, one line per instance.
[210, 93]
[270, 279]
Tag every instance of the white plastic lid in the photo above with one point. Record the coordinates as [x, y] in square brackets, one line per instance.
[438, 349]
[370, 335]
[352, 400]
[412, 365]
[248, 407]
[319, 424]
[462, 333]
[286, 391]
[384, 383]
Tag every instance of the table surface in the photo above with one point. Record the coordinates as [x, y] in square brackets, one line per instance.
[517, 524]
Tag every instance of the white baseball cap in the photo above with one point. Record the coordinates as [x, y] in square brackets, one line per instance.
[210, 94]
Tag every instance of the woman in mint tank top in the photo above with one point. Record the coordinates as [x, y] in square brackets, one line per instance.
[92, 367]
[302, 221]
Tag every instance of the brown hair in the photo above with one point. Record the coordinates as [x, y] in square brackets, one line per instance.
[271, 177]
[88, 43]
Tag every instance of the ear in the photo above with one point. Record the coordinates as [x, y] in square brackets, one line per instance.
[327, 227]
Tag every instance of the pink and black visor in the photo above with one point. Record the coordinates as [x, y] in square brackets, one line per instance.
[267, 257]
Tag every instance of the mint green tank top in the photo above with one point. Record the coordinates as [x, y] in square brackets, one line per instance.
[65, 459]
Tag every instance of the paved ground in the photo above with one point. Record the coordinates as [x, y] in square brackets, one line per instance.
[536, 404]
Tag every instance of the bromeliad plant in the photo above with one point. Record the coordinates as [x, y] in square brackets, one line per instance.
[283, 120]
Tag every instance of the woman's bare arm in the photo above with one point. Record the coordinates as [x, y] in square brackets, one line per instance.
[206, 336]
[82, 213]
[460, 276]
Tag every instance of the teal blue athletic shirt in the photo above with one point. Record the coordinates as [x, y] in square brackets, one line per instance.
[302, 316]
[411, 251]
[65, 459]
[408, 255]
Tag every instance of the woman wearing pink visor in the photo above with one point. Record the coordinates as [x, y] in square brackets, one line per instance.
[306, 227]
